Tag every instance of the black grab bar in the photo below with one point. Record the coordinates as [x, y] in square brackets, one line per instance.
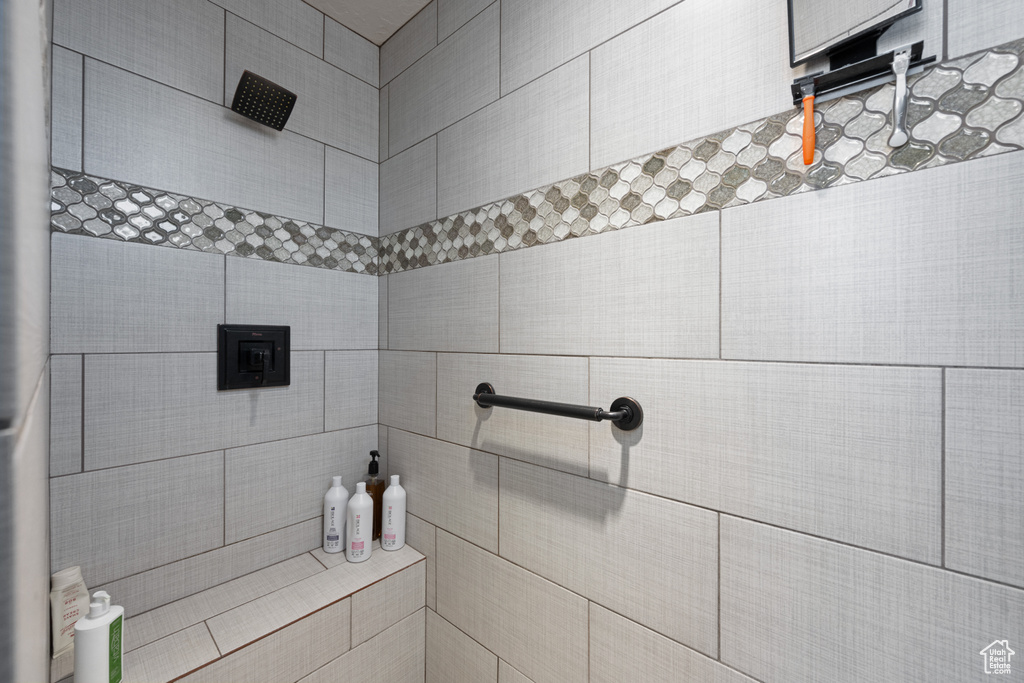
[625, 412]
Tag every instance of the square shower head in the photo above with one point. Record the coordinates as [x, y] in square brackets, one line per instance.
[263, 101]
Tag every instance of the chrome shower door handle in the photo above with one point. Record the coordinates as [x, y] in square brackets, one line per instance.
[900, 64]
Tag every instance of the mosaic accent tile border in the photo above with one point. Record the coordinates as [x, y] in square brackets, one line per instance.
[85, 205]
[962, 109]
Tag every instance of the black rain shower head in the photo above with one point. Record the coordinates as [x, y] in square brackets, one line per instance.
[263, 101]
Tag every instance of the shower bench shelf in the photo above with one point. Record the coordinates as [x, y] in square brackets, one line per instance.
[290, 618]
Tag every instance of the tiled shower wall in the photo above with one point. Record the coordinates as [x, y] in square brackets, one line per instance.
[827, 484]
[160, 485]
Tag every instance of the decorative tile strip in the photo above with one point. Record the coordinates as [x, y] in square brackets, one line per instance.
[962, 109]
[85, 205]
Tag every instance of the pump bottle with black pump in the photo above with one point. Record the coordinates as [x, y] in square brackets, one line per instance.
[375, 489]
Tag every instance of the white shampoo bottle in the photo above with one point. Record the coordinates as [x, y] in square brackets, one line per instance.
[359, 525]
[98, 642]
[335, 505]
[393, 532]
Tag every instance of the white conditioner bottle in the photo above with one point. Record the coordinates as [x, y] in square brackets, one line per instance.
[393, 533]
[335, 505]
[98, 642]
[359, 525]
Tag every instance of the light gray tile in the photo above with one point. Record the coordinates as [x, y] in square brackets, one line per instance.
[149, 38]
[351, 193]
[665, 275]
[385, 603]
[65, 415]
[450, 486]
[66, 110]
[326, 309]
[541, 632]
[171, 657]
[649, 559]
[454, 657]
[244, 624]
[351, 52]
[978, 24]
[450, 307]
[532, 137]
[421, 536]
[453, 14]
[293, 20]
[409, 43]
[451, 81]
[394, 656]
[383, 125]
[351, 389]
[109, 296]
[537, 36]
[141, 407]
[622, 650]
[408, 391]
[915, 269]
[299, 473]
[408, 187]
[549, 440]
[130, 519]
[506, 674]
[196, 147]
[849, 453]
[333, 106]
[288, 654]
[179, 615]
[177, 580]
[985, 473]
[645, 98]
[796, 608]
[382, 312]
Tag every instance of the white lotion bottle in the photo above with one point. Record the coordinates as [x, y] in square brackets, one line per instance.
[359, 525]
[335, 505]
[393, 532]
[98, 642]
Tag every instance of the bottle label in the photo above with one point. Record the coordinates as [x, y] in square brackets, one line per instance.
[115, 651]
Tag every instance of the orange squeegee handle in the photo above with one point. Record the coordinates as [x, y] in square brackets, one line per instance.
[809, 130]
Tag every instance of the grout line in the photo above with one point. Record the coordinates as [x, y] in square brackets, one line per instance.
[82, 141]
[709, 359]
[945, 30]
[323, 193]
[82, 426]
[211, 638]
[500, 31]
[590, 111]
[942, 487]
[720, 269]
[224, 65]
[224, 491]
[718, 617]
[325, 392]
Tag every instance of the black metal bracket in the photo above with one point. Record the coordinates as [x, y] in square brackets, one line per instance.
[861, 75]
[625, 412]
